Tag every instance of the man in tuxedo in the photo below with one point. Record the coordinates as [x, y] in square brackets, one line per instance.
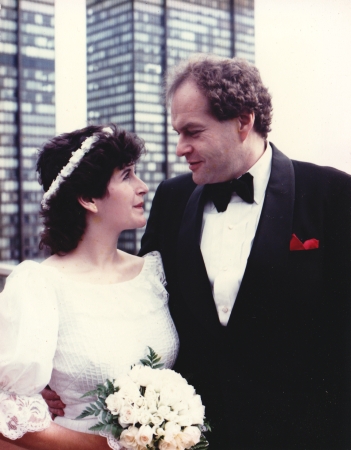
[257, 254]
[259, 287]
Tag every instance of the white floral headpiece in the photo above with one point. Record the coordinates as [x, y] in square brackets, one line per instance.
[72, 164]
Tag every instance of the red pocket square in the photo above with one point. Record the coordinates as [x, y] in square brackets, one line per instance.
[296, 244]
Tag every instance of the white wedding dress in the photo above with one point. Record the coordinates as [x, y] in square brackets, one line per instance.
[74, 335]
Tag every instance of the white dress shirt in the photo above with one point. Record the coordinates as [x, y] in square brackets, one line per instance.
[227, 238]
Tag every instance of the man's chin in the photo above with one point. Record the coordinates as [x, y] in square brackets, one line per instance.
[198, 179]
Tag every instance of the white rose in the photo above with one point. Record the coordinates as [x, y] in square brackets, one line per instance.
[127, 438]
[156, 419]
[172, 417]
[160, 432]
[169, 376]
[150, 393]
[190, 436]
[144, 436]
[180, 406]
[163, 410]
[126, 416]
[142, 375]
[196, 410]
[195, 401]
[171, 438]
[129, 391]
[184, 420]
[114, 403]
[151, 405]
[172, 428]
[143, 416]
[140, 402]
[169, 395]
[163, 445]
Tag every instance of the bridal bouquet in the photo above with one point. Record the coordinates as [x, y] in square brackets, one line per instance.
[149, 408]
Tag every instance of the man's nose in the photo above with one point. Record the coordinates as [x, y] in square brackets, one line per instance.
[183, 147]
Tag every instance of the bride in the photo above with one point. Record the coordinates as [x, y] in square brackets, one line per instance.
[89, 311]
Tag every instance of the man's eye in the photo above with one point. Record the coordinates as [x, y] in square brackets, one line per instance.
[126, 176]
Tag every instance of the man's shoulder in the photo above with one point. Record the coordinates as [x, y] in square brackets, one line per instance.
[180, 184]
[303, 167]
[180, 180]
[321, 177]
[313, 172]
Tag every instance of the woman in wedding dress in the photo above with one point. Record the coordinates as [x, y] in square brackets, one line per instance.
[89, 311]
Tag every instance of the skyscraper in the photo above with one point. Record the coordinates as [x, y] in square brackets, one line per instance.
[27, 119]
[130, 45]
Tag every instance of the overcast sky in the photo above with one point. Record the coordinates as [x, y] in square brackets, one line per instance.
[303, 52]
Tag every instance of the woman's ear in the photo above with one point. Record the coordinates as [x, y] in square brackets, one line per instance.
[89, 204]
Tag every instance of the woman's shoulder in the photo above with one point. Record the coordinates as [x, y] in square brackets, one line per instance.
[153, 264]
[29, 283]
[31, 275]
[25, 268]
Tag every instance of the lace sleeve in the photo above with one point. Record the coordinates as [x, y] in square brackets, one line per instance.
[29, 328]
[20, 414]
[157, 267]
[112, 442]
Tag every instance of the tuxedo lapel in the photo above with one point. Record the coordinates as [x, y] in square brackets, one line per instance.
[193, 279]
[268, 258]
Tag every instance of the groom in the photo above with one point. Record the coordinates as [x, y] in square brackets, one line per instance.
[260, 287]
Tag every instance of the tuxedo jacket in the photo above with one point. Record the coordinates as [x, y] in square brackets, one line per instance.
[278, 376]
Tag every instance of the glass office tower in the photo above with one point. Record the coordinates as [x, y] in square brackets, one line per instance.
[27, 119]
[130, 45]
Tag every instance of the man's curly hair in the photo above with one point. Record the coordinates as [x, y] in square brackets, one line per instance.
[232, 87]
[65, 218]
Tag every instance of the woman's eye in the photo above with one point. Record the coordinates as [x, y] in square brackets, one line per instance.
[126, 176]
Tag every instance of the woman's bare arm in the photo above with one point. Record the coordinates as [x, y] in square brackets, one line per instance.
[57, 437]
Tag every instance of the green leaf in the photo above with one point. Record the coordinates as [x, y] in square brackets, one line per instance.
[100, 427]
[152, 360]
[207, 426]
[100, 403]
[110, 386]
[158, 366]
[145, 362]
[90, 394]
[116, 430]
[203, 444]
[87, 412]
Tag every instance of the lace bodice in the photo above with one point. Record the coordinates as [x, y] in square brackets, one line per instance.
[74, 335]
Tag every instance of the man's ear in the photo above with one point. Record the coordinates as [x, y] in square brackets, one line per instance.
[88, 203]
[245, 124]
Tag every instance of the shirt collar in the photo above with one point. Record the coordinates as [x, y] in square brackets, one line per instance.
[261, 171]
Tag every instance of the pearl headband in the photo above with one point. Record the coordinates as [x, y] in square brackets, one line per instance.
[72, 164]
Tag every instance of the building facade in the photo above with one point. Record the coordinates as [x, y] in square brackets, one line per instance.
[27, 119]
[130, 45]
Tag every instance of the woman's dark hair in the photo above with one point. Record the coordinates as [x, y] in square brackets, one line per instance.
[65, 218]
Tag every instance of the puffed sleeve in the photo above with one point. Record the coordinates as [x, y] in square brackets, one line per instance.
[28, 330]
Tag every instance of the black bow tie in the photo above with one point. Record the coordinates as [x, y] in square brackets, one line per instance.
[221, 193]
